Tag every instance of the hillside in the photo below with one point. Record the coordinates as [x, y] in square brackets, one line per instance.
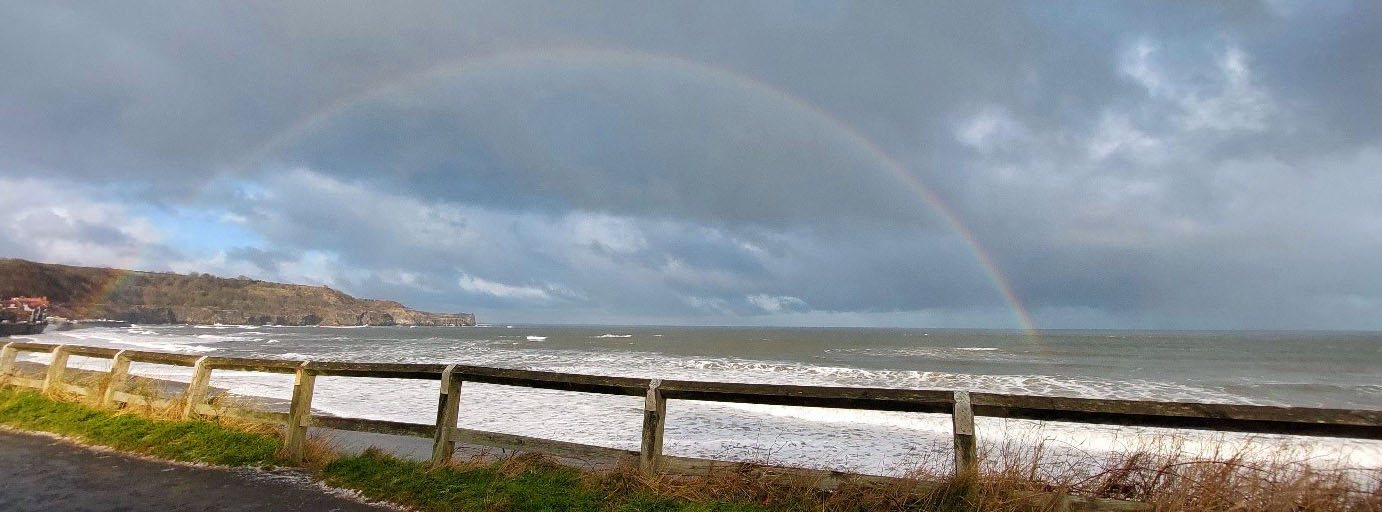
[164, 298]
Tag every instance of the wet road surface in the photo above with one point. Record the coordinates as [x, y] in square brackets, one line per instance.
[40, 473]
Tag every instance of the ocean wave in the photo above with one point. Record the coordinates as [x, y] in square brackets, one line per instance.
[217, 338]
[615, 336]
[167, 346]
[120, 337]
[656, 365]
[935, 353]
[650, 365]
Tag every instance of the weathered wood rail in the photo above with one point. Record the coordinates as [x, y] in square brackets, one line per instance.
[961, 405]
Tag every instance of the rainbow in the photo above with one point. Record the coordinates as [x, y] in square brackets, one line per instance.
[618, 56]
[104, 286]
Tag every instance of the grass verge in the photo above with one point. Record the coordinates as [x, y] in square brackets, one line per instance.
[519, 484]
[522, 483]
[535, 483]
[186, 441]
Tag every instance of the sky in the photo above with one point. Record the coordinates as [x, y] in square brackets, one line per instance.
[1158, 165]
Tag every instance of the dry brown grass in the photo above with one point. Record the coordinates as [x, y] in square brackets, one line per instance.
[1164, 473]
[1021, 477]
[318, 451]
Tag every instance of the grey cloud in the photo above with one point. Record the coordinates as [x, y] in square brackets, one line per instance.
[628, 135]
[59, 222]
[266, 260]
[631, 264]
[668, 176]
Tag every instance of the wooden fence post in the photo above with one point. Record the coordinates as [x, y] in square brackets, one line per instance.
[299, 413]
[654, 419]
[53, 382]
[7, 356]
[119, 374]
[448, 407]
[196, 389]
[966, 454]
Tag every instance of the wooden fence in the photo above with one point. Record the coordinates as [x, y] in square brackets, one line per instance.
[961, 405]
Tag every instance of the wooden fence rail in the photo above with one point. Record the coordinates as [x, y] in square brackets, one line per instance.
[963, 406]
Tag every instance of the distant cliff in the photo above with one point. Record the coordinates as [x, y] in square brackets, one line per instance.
[166, 298]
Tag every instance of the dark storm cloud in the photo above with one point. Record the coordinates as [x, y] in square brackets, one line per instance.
[1138, 164]
[625, 134]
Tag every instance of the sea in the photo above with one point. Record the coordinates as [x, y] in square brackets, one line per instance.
[1308, 369]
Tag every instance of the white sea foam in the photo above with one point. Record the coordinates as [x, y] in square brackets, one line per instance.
[535, 338]
[240, 336]
[118, 337]
[171, 347]
[615, 336]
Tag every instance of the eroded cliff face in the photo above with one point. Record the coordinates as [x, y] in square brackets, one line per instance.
[164, 298]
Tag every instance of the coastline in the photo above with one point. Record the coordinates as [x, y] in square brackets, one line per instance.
[166, 298]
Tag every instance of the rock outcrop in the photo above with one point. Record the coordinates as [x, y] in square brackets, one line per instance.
[167, 298]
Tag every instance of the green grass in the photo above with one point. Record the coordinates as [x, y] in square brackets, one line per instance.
[528, 485]
[187, 441]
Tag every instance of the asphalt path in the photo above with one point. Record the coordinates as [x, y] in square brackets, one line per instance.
[41, 473]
